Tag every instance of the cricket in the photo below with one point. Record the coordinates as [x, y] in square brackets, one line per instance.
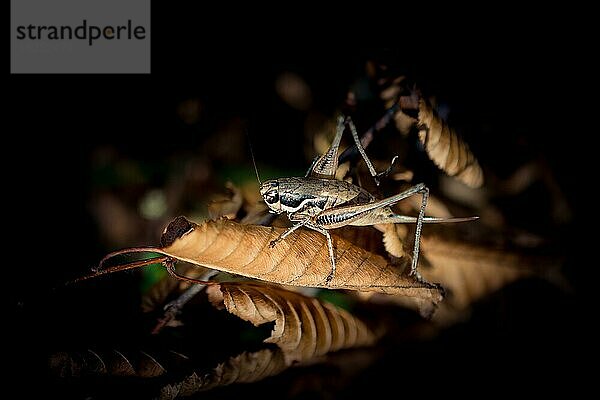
[320, 202]
[316, 201]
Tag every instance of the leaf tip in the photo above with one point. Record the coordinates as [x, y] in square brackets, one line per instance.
[176, 229]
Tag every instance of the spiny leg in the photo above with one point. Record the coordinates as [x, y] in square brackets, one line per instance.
[359, 215]
[326, 165]
[367, 137]
[361, 150]
[362, 214]
[312, 165]
[315, 228]
[388, 169]
[289, 231]
[329, 247]
[424, 190]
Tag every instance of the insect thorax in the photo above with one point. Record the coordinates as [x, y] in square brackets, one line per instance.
[299, 194]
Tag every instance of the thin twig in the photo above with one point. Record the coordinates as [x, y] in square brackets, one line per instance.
[173, 308]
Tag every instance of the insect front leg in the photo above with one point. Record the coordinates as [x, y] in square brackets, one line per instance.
[289, 231]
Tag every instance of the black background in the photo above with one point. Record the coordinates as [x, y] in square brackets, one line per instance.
[524, 83]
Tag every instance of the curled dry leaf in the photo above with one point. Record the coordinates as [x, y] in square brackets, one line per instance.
[305, 330]
[396, 236]
[470, 272]
[226, 205]
[364, 237]
[446, 148]
[158, 293]
[244, 368]
[302, 259]
[393, 238]
[112, 363]
[246, 200]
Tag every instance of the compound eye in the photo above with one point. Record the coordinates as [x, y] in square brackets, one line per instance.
[272, 197]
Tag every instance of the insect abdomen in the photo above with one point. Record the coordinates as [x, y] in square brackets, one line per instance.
[333, 219]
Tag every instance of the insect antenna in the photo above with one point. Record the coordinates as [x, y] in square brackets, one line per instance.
[253, 159]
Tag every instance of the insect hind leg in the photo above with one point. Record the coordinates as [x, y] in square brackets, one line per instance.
[424, 191]
[373, 217]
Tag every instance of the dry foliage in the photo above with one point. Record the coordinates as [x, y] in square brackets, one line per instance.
[443, 144]
[112, 363]
[305, 327]
[446, 148]
[471, 272]
[305, 330]
[243, 368]
[371, 263]
[226, 205]
[468, 272]
[300, 260]
[161, 290]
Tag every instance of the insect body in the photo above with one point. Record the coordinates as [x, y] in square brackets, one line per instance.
[292, 195]
[320, 202]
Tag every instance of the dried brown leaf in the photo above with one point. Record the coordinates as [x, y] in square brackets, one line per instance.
[113, 363]
[226, 205]
[390, 93]
[305, 328]
[364, 237]
[446, 148]
[244, 368]
[404, 122]
[393, 238]
[471, 272]
[302, 259]
[256, 214]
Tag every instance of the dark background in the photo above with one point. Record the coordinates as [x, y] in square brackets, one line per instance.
[518, 88]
